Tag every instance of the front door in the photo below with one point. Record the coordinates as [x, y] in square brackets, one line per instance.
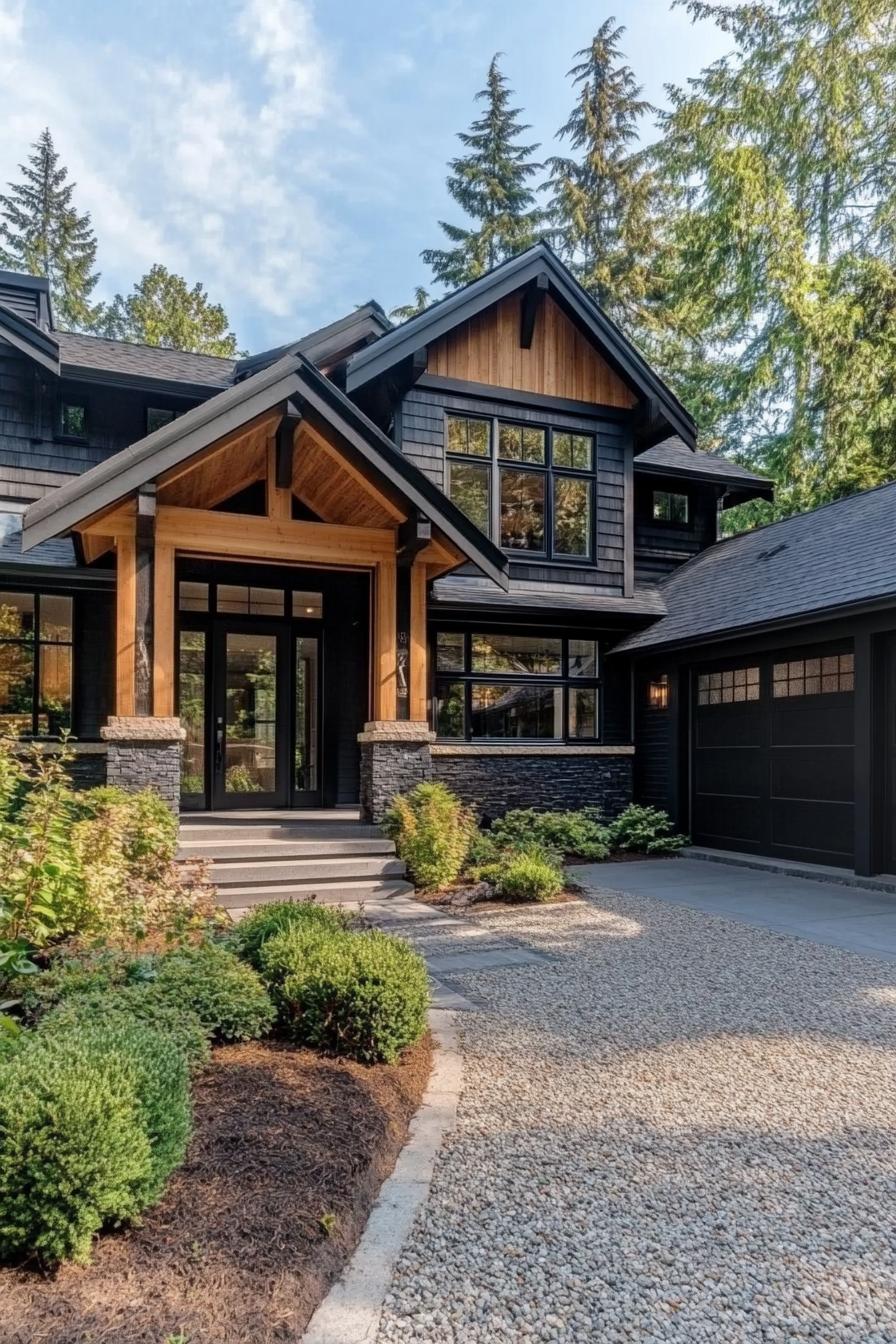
[250, 726]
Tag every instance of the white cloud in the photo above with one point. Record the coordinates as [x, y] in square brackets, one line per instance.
[216, 172]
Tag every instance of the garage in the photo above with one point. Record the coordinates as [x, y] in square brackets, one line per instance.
[773, 740]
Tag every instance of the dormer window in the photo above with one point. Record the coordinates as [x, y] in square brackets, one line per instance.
[670, 507]
[527, 486]
[73, 420]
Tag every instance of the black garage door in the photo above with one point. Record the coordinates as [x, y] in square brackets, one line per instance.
[772, 757]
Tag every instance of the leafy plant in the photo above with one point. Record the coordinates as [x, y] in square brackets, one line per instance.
[648, 830]
[240, 779]
[225, 994]
[265, 921]
[578, 834]
[92, 1122]
[524, 872]
[363, 995]
[432, 831]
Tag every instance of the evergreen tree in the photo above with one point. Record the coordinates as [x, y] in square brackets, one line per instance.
[422, 300]
[42, 233]
[491, 182]
[602, 210]
[163, 310]
[781, 154]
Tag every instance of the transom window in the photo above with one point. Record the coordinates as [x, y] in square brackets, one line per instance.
[35, 664]
[728, 687]
[531, 489]
[814, 676]
[670, 507]
[500, 685]
[245, 600]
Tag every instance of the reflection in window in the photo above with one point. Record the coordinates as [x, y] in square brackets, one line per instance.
[157, 417]
[583, 711]
[516, 710]
[35, 664]
[237, 600]
[573, 450]
[669, 507]
[728, 687]
[521, 443]
[814, 676]
[305, 764]
[468, 436]
[450, 651]
[572, 516]
[73, 420]
[192, 596]
[468, 488]
[450, 709]
[191, 708]
[532, 654]
[310, 606]
[522, 510]
[583, 658]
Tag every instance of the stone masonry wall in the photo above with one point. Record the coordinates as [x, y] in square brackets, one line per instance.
[394, 757]
[495, 783]
[145, 753]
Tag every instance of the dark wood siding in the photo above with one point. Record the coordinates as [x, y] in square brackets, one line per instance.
[655, 736]
[420, 433]
[23, 300]
[662, 547]
[93, 662]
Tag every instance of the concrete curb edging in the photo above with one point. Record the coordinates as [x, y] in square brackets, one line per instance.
[351, 1311]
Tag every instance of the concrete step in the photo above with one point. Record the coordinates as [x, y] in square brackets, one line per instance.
[304, 872]
[251, 833]
[224, 852]
[349, 892]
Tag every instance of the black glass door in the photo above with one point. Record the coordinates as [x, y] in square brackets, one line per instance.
[306, 700]
[250, 727]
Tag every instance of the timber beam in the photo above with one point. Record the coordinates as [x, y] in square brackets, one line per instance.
[286, 437]
[533, 298]
[414, 535]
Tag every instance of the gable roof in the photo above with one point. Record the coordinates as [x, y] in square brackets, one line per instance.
[28, 338]
[293, 378]
[673, 457]
[831, 559]
[441, 317]
[332, 342]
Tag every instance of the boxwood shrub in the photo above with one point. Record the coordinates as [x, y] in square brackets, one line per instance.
[264, 921]
[147, 1003]
[92, 1122]
[363, 995]
[225, 994]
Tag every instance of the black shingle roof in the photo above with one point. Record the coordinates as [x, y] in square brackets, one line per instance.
[839, 555]
[142, 361]
[471, 590]
[673, 454]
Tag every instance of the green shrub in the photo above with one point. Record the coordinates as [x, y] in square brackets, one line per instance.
[363, 995]
[574, 835]
[92, 1122]
[525, 873]
[264, 921]
[148, 1004]
[647, 830]
[225, 994]
[432, 831]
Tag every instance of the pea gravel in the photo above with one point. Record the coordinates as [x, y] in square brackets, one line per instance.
[678, 1128]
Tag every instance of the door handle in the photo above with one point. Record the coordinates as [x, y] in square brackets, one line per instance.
[219, 749]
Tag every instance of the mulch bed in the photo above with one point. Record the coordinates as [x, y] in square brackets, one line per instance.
[289, 1153]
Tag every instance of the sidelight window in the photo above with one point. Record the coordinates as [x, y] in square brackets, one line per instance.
[491, 686]
[529, 487]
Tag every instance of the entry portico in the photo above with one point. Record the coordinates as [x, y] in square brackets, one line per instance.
[272, 551]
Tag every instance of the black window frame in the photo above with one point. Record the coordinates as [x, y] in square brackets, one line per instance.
[66, 436]
[550, 473]
[158, 410]
[562, 680]
[35, 644]
[657, 493]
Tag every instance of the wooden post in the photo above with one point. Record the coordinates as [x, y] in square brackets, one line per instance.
[419, 703]
[143, 607]
[279, 498]
[403, 642]
[125, 623]
[385, 646]
[163, 634]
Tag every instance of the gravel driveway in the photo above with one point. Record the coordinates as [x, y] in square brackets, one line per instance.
[680, 1128]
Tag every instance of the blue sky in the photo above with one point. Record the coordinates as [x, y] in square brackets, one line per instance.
[290, 154]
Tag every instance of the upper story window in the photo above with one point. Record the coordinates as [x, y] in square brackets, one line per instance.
[528, 487]
[73, 420]
[156, 417]
[670, 507]
[35, 664]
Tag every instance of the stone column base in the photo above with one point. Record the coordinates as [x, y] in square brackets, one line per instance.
[145, 753]
[395, 756]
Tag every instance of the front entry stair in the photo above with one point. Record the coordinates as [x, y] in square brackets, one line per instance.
[277, 856]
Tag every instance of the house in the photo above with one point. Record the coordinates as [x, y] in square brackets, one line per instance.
[479, 547]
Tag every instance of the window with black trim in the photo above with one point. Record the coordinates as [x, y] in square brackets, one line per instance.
[671, 507]
[529, 487]
[814, 676]
[503, 685]
[73, 420]
[35, 664]
[728, 687]
[157, 417]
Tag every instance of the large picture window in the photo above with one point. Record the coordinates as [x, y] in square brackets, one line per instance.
[494, 686]
[528, 487]
[35, 664]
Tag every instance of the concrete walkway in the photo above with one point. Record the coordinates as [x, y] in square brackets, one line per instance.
[847, 917]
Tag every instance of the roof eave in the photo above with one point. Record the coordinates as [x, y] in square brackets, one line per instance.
[29, 340]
